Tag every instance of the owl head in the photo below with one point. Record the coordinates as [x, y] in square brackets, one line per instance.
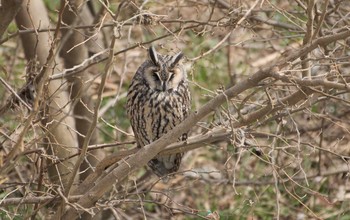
[164, 73]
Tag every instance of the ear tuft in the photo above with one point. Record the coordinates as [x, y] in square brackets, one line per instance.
[153, 55]
[176, 58]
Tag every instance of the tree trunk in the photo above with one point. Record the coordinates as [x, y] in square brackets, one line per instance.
[8, 10]
[80, 91]
[59, 127]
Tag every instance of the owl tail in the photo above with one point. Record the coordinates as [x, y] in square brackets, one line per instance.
[164, 165]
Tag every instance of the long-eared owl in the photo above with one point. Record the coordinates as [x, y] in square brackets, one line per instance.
[159, 99]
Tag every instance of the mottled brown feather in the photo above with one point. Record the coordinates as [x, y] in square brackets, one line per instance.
[159, 99]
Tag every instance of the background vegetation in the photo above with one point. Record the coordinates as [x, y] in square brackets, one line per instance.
[270, 109]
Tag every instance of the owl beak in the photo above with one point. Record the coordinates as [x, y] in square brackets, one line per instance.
[164, 86]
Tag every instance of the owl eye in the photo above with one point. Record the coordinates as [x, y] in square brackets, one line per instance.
[155, 76]
[171, 76]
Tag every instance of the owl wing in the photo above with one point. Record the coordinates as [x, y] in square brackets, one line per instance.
[133, 111]
[186, 109]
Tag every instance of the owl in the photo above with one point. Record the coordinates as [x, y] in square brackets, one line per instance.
[158, 99]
